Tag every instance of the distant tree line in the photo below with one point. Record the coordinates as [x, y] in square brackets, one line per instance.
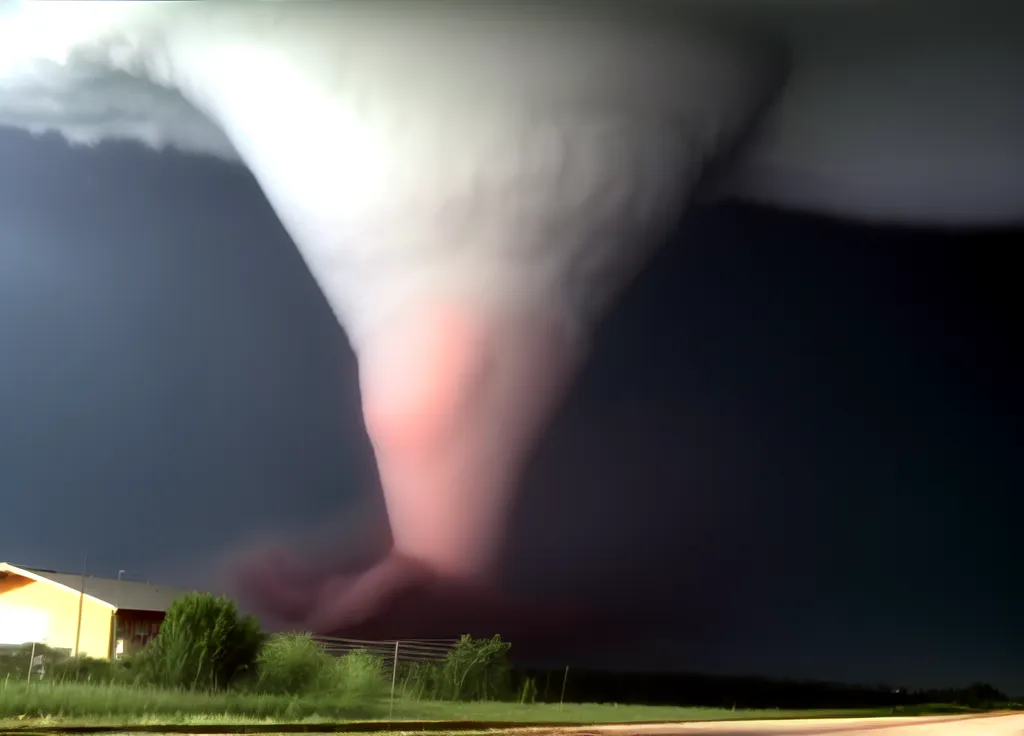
[741, 692]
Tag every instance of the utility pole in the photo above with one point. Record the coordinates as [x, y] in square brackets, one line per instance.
[81, 603]
[117, 609]
[117, 595]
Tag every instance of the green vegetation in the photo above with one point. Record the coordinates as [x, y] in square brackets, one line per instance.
[69, 703]
[294, 664]
[203, 645]
[209, 665]
[122, 703]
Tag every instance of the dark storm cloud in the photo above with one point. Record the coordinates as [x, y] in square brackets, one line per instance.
[138, 335]
[797, 439]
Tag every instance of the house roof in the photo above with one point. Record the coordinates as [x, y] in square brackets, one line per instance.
[119, 595]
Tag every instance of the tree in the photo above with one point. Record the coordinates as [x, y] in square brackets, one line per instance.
[203, 644]
[477, 669]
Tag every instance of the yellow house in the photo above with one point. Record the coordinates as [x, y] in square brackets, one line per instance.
[83, 615]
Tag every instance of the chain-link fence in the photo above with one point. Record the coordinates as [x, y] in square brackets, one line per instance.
[435, 669]
[406, 669]
[392, 652]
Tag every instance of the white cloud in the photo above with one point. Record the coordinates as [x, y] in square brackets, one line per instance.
[899, 111]
[407, 131]
[53, 80]
[458, 136]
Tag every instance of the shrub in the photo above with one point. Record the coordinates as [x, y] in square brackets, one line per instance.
[85, 670]
[293, 664]
[477, 669]
[203, 644]
[56, 665]
[361, 675]
[422, 681]
[14, 662]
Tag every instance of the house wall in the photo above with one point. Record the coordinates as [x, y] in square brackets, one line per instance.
[56, 609]
[135, 629]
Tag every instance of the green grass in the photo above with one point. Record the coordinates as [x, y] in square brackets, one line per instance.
[132, 704]
[23, 705]
[591, 712]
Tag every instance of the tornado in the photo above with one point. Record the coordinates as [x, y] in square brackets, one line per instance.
[470, 184]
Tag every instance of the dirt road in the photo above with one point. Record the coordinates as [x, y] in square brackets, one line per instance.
[986, 725]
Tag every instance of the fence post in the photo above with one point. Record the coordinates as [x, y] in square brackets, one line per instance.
[31, 661]
[565, 678]
[394, 676]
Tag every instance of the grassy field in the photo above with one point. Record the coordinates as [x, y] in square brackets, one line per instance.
[77, 702]
[23, 705]
[591, 712]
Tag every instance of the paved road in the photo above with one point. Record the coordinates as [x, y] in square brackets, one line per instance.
[985, 725]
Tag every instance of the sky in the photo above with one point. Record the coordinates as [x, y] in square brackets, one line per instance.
[795, 451]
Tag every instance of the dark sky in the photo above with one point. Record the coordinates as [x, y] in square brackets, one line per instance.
[797, 445]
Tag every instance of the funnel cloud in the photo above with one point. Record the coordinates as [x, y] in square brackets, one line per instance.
[472, 184]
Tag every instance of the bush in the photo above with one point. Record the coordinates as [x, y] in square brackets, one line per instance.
[422, 681]
[84, 670]
[361, 675]
[293, 664]
[14, 662]
[477, 669]
[59, 666]
[203, 644]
